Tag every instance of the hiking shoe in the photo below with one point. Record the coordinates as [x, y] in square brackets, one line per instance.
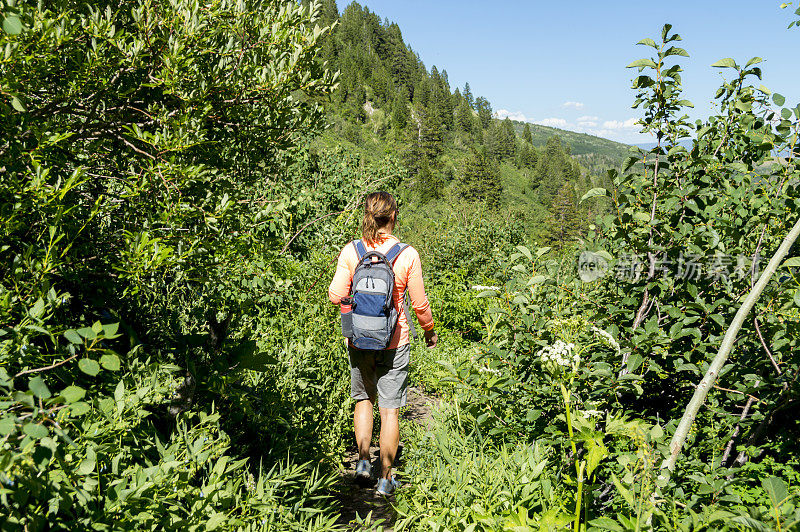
[386, 486]
[363, 470]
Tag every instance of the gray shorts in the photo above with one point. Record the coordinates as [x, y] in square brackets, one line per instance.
[380, 373]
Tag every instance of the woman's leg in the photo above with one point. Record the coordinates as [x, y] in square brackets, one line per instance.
[389, 439]
[392, 381]
[362, 421]
[363, 388]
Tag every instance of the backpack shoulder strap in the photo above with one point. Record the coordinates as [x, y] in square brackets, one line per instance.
[360, 249]
[395, 252]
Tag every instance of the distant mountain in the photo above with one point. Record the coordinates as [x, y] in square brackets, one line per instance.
[686, 143]
[579, 143]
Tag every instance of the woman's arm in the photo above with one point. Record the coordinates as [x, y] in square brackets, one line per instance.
[340, 285]
[416, 291]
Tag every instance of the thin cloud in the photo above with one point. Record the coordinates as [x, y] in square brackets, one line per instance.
[553, 122]
[572, 105]
[616, 124]
[513, 115]
[620, 130]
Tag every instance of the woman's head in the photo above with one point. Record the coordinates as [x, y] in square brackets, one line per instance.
[380, 212]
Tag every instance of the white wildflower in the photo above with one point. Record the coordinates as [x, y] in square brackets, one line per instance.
[481, 287]
[605, 338]
[487, 369]
[561, 354]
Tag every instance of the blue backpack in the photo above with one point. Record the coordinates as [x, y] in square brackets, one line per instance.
[373, 318]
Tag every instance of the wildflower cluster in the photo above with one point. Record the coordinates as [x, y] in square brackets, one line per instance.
[568, 328]
[487, 369]
[559, 356]
[605, 338]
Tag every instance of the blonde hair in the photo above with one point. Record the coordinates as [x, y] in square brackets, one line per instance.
[380, 210]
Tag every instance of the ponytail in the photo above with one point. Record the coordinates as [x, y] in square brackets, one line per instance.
[380, 210]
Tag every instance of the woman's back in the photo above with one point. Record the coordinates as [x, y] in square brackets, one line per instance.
[408, 276]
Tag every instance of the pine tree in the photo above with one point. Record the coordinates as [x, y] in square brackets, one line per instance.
[468, 97]
[553, 169]
[400, 112]
[526, 134]
[495, 141]
[526, 156]
[564, 220]
[484, 109]
[509, 138]
[464, 117]
[481, 180]
[429, 185]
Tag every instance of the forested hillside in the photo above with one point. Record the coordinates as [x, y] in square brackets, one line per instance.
[389, 102]
[176, 182]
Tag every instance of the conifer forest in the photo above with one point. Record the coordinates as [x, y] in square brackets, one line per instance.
[619, 327]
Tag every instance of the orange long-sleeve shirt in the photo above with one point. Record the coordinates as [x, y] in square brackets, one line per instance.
[407, 276]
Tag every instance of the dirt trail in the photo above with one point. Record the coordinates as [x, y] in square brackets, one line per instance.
[357, 501]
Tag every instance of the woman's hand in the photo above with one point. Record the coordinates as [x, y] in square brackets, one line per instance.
[431, 338]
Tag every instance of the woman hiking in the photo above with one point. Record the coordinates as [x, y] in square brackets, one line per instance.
[382, 374]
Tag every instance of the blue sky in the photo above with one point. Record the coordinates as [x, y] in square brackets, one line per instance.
[563, 63]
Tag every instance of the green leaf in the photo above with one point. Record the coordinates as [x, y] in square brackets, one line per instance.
[39, 388]
[725, 63]
[73, 336]
[674, 50]
[648, 42]
[7, 425]
[606, 523]
[87, 332]
[754, 61]
[776, 490]
[12, 25]
[88, 463]
[793, 262]
[642, 63]
[487, 293]
[38, 308]
[593, 193]
[79, 409]
[119, 391]
[110, 362]
[641, 216]
[626, 493]
[786, 114]
[89, 366]
[634, 362]
[596, 452]
[779, 99]
[110, 330]
[797, 297]
[629, 162]
[35, 431]
[217, 518]
[542, 251]
[73, 393]
[17, 104]
[525, 251]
